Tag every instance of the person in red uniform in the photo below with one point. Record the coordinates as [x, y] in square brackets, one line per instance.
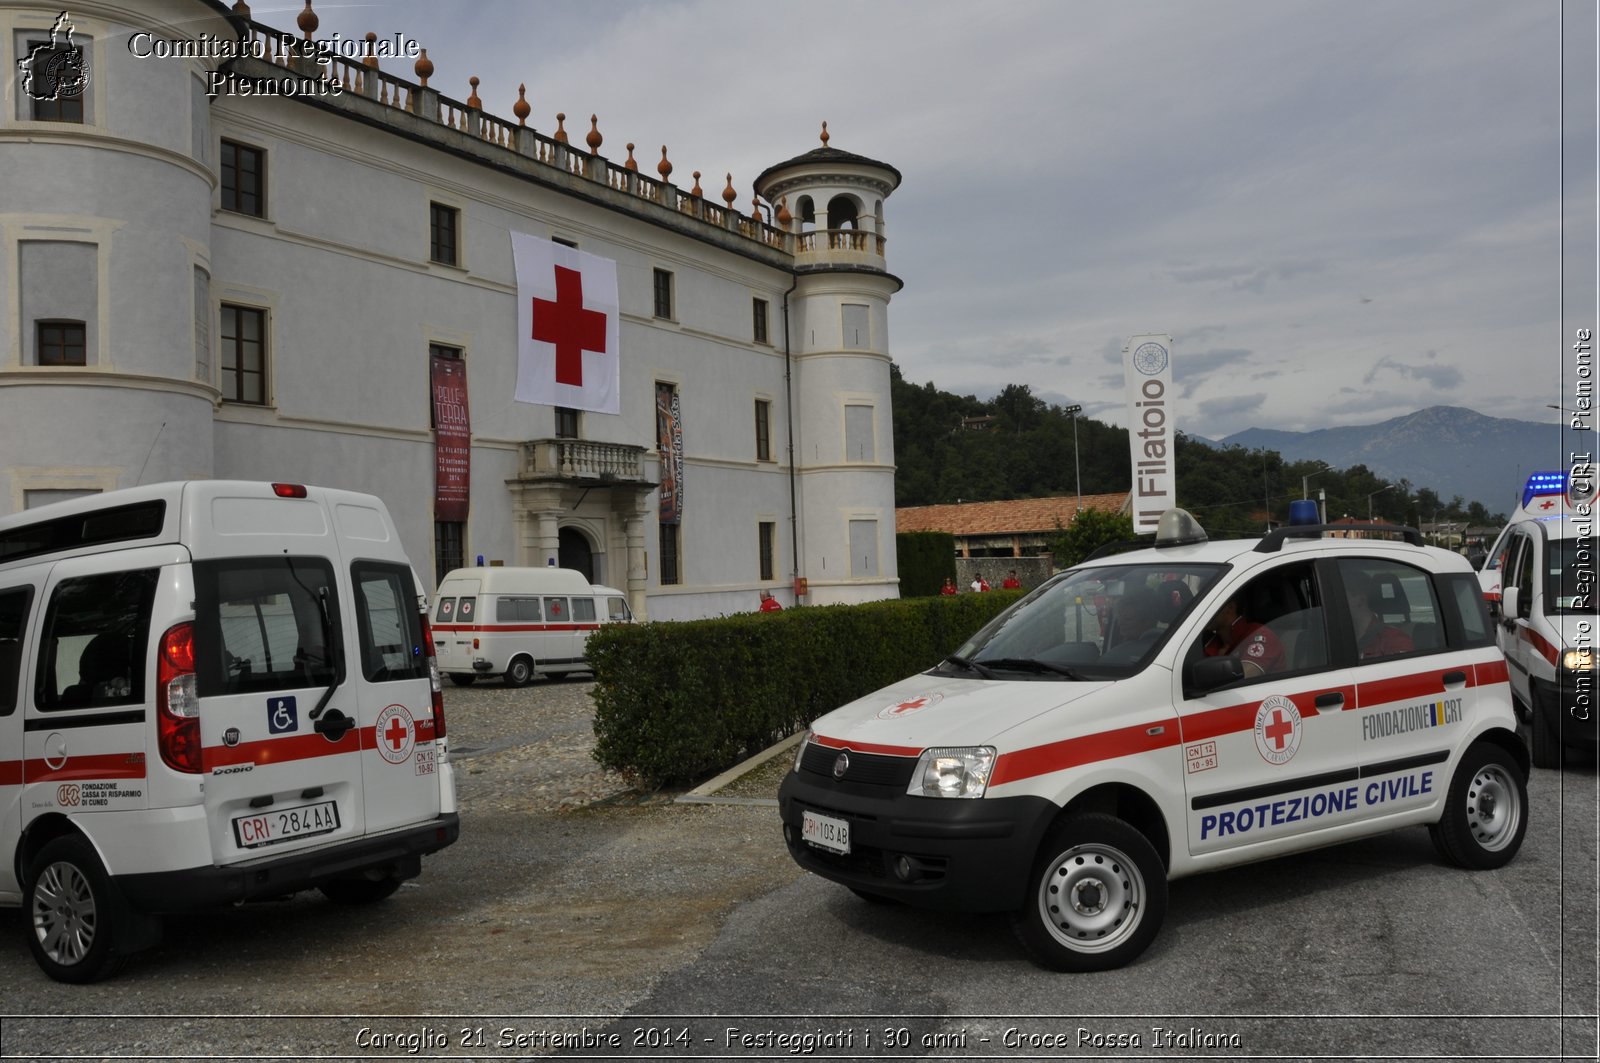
[1229, 633]
[949, 586]
[769, 604]
[1374, 637]
[1011, 582]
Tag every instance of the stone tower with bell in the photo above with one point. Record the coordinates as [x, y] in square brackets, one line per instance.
[837, 345]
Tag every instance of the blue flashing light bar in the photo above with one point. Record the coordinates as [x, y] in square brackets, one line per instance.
[1544, 483]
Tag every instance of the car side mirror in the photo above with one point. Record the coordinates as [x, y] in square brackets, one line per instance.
[1213, 673]
[1510, 601]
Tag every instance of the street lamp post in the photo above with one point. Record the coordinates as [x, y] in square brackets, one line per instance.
[1305, 490]
[1076, 474]
[1379, 491]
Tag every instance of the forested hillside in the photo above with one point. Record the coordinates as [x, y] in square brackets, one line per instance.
[1026, 451]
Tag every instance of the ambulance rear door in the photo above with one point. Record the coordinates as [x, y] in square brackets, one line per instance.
[455, 613]
[276, 676]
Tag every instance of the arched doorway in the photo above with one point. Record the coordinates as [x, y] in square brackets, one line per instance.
[574, 552]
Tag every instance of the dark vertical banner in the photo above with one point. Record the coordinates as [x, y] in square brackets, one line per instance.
[452, 440]
[669, 444]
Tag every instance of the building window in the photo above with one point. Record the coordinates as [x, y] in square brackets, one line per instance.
[856, 324]
[669, 555]
[448, 552]
[62, 343]
[56, 68]
[566, 423]
[443, 222]
[763, 430]
[244, 354]
[564, 242]
[244, 179]
[858, 434]
[758, 313]
[664, 294]
[767, 536]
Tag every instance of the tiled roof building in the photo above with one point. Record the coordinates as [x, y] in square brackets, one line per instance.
[1017, 528]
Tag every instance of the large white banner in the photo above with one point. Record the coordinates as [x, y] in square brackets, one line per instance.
[567, 315]
[1147, 376]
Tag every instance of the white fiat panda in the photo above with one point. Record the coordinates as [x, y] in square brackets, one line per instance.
[1166, 711]
[210, 692]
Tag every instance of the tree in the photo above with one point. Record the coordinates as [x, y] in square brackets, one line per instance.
[1089, 530]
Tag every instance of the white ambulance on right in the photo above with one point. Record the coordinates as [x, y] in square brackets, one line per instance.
[1539, 579]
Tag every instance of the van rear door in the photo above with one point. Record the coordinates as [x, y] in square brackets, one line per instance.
[455, 614]
[395, 697]
[276, 678]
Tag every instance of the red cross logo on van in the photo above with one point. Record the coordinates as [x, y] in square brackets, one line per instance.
[394, 733]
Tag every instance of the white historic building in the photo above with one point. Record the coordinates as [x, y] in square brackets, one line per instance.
[260, 285]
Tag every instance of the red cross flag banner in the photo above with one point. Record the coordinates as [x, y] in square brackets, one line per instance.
[567, 320]
[1147, 376]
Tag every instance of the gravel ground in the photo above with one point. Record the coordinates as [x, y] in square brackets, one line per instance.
[568, 894]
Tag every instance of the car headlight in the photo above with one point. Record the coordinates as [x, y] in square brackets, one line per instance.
[800, 750]
[1578, 660]
[952, 772]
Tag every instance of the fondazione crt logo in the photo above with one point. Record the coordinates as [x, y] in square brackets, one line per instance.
[56, 69]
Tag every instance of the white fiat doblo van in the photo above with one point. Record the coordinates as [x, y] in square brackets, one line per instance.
[210, 692]
[519, 623]
[1167, 711]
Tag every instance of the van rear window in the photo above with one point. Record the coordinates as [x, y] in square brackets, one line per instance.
[388, 622]
[259, 625]
[96, 641]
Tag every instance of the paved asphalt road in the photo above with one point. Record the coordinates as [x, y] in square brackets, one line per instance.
[666, 926]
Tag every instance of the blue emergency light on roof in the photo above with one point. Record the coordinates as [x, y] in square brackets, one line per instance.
[1303, 511]
[1544, 483]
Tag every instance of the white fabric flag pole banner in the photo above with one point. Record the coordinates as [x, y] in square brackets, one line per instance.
[1147, 376]
[567, 326]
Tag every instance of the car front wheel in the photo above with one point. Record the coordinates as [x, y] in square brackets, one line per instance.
[1485, 810]
[1096, 898]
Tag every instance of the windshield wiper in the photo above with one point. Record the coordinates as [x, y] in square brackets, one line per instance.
[1030, 664]
[971, 666]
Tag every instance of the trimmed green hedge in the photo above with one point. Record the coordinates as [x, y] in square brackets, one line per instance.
[925, 560]
[678, 702]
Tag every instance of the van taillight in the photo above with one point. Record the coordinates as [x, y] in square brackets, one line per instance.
[289, 490]
[435, 680]
[177, 701]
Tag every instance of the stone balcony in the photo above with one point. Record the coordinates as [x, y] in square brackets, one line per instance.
[582, 461]
[839, 247]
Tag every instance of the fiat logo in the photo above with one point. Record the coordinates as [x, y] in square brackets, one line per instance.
[230, 737]
[841, 765]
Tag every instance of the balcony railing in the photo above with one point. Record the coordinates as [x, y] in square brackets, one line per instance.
[582, 460]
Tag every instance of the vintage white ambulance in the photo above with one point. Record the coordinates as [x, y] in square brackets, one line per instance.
[1540, 581]
[1170, 710]
[519, 623]
[210, 692]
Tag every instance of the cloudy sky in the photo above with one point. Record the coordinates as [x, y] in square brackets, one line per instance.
[1341, 211]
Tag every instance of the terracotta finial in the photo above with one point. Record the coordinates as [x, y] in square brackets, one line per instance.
[755, 207]
[784, 217]
[521, 108]
[473, 101]
[308, 21]
[561, 128]
[824, 134]
[696, 190]
[241, 9]
[664, 167]
[424, 67]
[371, 58]
[630, 164]
[728, 194]
[594, 139]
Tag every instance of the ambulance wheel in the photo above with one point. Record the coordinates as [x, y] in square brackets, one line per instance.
[462, 679]
[519, 672]
[355, 891]
[1096, 898]
[75, 913]
[1485, 810]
